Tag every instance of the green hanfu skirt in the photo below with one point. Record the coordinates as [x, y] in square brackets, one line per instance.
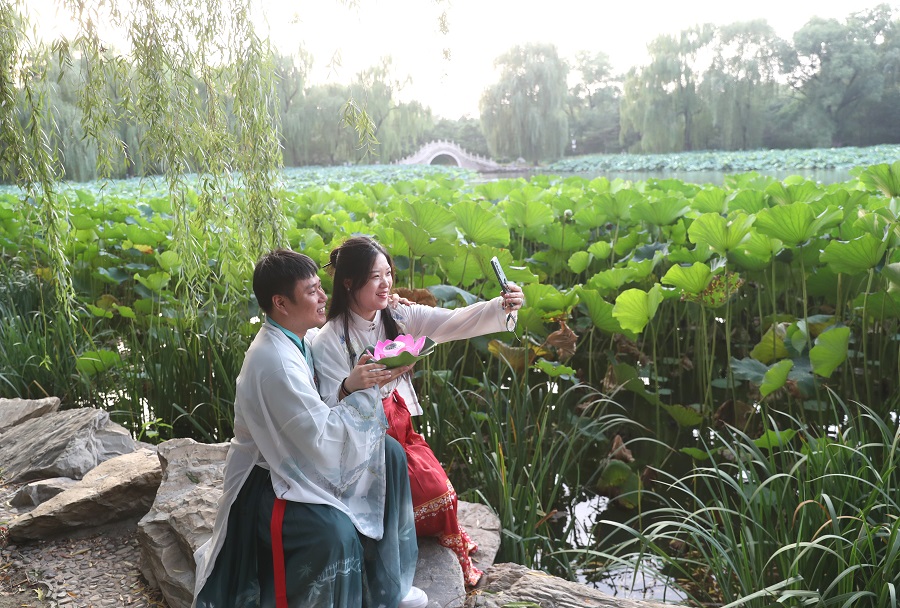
[324, 561]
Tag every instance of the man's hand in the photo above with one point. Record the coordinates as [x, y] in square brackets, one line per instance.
[395, 299]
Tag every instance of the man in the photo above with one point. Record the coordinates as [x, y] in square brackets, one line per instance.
[316, 509]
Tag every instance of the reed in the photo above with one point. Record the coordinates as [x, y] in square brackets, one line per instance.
[798, 517]
[518, 445]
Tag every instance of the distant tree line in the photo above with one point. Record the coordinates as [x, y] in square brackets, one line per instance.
[733, 87]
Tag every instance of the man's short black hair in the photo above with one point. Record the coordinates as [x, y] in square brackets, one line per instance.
[277, 273]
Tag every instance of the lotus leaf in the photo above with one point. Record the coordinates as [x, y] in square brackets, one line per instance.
[156, 282]
[771, 346]
[796, 223]
[719, 234]
[775, 377]
[660, 212]
[856, 256]
[168, 261]
[451, 293]
[422, 244]
[433, 219]
[579, 261]
[684, 416]
[93, 362]
[530, 217]
[884, 177]
[691, 280]
[710, 201]
[635, 308]
[480, 225]
[879, 306]
[554, 369]
[600, 311]
[830, 350]
[772, 439]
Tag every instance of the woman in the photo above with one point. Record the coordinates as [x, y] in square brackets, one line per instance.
[359, 316]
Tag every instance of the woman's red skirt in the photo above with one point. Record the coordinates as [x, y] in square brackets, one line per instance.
[434, 499]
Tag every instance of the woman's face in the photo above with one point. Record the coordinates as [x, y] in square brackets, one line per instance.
[374, 294]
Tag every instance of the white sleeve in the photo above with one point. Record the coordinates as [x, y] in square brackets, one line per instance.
[444, 325]
[331, 362]
[300, 436]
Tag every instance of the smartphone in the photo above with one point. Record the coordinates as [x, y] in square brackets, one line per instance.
[501, 276]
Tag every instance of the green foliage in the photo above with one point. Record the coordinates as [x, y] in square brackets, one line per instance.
[606, 275]
[794, 516]
[513, 438]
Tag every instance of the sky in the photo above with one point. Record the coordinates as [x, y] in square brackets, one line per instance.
[361, 32]
[482, 30]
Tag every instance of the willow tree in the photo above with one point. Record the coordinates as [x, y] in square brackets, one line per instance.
[201, 81]
[593, 105]
[524, 113]
[742, 82]
[661, 101]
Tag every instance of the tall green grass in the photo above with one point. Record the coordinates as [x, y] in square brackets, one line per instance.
[167, 373]
[796, 517]
[520, 445]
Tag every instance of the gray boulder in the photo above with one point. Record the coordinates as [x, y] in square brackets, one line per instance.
[17, 411]
[116, 490]
[61, 444]
[438, 572]
[182, 516]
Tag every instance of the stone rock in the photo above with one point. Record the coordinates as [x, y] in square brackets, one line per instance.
[512, 584]
[17, 411]
[439, 574]
[182, 516]
[486, 526]
[36, 492]
[61, 444]
[117, 489]
[184, 512]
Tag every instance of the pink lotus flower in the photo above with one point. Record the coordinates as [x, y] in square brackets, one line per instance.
[404, 343]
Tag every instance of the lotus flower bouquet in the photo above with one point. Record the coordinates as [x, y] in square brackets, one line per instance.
[404, 350]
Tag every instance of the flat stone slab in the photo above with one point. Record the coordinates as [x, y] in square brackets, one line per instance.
[16, 411]
[515, 585]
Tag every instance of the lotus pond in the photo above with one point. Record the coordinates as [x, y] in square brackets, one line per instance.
[661, 315]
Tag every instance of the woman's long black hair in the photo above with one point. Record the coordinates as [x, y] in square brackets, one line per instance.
[353, 261]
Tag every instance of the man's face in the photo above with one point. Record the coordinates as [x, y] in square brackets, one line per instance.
[307, 310]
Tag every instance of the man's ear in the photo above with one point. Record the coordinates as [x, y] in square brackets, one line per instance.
[277, 301]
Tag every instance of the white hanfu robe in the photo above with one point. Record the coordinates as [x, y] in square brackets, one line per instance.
[316, 454]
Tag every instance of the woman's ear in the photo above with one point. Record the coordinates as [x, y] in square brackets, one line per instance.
[347, 283]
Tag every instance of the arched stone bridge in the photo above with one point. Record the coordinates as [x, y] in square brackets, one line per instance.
[450, 153]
